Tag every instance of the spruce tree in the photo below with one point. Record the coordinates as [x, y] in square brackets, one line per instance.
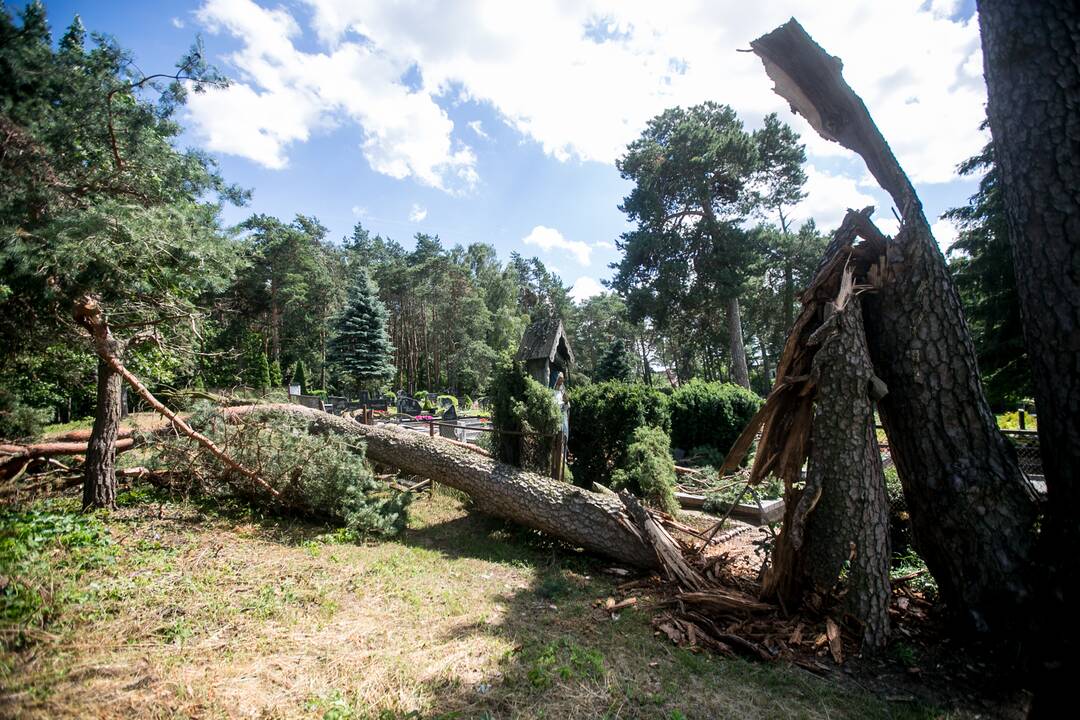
[361, 346]
[299, 376]
[615, 363]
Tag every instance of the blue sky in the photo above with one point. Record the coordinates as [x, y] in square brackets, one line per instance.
[499, 122]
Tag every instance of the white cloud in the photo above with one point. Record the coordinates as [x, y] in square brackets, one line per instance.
[828, 197]
[177, 23]
[584, 288]
[417, 213]
[579, 79]
[604, 244]
[284, 94]
[358, 211]
[945, 233]
[549, 239]
[477, 128]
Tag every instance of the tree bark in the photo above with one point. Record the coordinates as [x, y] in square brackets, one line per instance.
[590, 520]
[851, 517]
[739, 373]
[99, 470]
[1030, 53]
[972, 510]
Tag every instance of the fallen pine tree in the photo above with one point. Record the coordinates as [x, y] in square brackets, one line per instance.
[598, 522]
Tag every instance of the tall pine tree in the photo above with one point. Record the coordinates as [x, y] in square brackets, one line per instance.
[361, 345]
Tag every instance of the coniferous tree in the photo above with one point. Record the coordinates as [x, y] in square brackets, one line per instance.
[298, 376]
[615, 364]
[361, 345]
[981, 262]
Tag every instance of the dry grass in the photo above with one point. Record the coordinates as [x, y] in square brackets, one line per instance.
[200, 615]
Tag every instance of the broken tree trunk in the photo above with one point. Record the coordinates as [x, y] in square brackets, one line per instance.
[842, 513]
[600, 523]
[972, 510]
[99, 470]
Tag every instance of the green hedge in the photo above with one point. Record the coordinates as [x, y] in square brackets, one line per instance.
[710, 414]
[603, 418]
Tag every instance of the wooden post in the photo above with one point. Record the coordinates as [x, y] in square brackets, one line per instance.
[431, 428]
[557, 456]
[1023, 417]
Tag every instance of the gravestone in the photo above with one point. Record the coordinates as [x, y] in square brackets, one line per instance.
[408, 405]
[445, 402]
[448, 431]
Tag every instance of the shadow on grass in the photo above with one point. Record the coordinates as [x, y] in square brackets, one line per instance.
[492, 621]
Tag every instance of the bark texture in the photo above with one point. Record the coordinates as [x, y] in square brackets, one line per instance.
[1031, 52]
[596, 522]
[99, 470]
[739, 373]
[850, 519]
[972, 510]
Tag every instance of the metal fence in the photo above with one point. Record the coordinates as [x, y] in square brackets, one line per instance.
[1025, 442]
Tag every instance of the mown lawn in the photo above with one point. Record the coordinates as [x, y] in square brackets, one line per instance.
[163, 609]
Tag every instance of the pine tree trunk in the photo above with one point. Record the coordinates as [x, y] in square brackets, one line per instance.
[789, 295]
[851, 518]
[739, 373]
[1030, 53]
[972, 510]
[99, 478]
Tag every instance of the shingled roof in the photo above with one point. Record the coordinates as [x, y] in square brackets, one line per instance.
[541, 341]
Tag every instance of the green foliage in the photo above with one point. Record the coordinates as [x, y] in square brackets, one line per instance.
[18, 421]
[603, 418]
[453, 400]
[981, 262]
[321, 476]
[520, 404]
[256, 367]
[614, 364]
[275, 374]
[563, 660]
[95, 198]
[28, 539]
[649, 471]
[710, 414]
[1011, 421]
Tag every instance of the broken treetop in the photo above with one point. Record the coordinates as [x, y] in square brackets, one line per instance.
[542, 341]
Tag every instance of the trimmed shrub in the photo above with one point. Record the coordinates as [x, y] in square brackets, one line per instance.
[710, 414]
[603, 418]
[649, 471]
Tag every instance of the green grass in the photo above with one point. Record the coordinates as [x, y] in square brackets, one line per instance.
[166, 609]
